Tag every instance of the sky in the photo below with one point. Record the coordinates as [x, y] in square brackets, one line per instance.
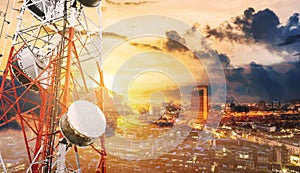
[236, 41]
[252, 61]
[204, 13]
[211, 12]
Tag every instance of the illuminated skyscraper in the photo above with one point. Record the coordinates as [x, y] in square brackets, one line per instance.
[199, 102]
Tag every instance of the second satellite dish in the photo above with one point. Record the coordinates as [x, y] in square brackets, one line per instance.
[28, 66]
[83, 123]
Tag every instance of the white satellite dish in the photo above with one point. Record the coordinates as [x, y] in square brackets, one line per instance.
[28, 65]
[83, 123]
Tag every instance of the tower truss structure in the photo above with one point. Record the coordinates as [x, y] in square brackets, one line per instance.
[55, 59]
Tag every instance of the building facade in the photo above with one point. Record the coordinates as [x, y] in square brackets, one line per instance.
[199, 102]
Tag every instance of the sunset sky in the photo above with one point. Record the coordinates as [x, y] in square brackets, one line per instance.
[140, 58]
[254, 65]
[204, 13]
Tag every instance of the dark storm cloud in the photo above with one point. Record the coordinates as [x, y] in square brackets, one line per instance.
[235, 74]
[290, 40]
[254, 81]
[291, 34]
[265, 27]
[297, 54]
[128, 2]
[292, 27]
[278, 81]
[259, 27]
[238, 29]
[225, 60]
[291, 81]
[9, 99]
[12, 125]
[237, 83]
[262, 26]
[265, 82]
[175, 41]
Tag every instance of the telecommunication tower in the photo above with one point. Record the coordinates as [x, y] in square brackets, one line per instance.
[53, 80]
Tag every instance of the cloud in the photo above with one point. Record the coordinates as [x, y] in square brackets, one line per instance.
[194, 43]
[145, 46]
[259, 27]
[175, 41]
[291, 81]
[28, 101]
[129, 2]
[12, 125]
[114, 35]
[249, 27]
[238, 30]
[249, 83]
[125, 38]
[255, 81]
[264, 27]
[243, 54]
[290, 40]
[264, 82]
[225, 60]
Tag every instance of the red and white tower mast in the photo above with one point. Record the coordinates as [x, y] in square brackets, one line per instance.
[55, 59]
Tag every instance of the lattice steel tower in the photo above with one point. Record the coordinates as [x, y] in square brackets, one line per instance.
[55, 59]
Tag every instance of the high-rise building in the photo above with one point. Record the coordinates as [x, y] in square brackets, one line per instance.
[199, 102]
